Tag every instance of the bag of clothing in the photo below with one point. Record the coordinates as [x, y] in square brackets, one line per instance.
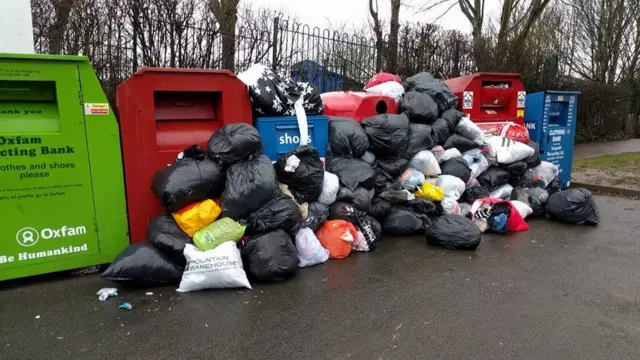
[412, 179]
[270, 257]
[419, 139]
[523, 209]
[353, 173]
[143, 265]
[425, 83]
[166, 236]
[429, 191]
[574, 206]
[536, 198]
[517, 168]
[233, 143]
[473, 193]
[382, 78]
[360, 198]
[302, 170]
[403, 222]
[493, 178]
[454, 232]
[219, 268]
[371, 231]
[440, 131]
[380, 208]
[452, 116]
[426, 162]
[387, 133]
[318, 213]
[508, 151]
[456, 167]
[251, 184]
[448, 155]
[337, 237]
[396, 196]
[221, 231]
[452, 186]
[196, 216]
[460, 142]
[309, 250]
[423, 207]
[347, 138]
[187, 181]
[450, 206]
[439, 153]
[419, 107]
[501, 215]
[393, 166]
[303, 208]
[469, 129]
[280, 213]
[330, 187]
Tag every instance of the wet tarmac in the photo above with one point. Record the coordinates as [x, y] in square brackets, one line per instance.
[554, 292]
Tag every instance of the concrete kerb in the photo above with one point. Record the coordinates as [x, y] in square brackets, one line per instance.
[608, 190]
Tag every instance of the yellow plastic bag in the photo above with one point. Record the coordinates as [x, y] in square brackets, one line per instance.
[197, 216]
[430, 192]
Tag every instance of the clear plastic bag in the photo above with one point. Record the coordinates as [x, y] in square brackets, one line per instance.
[411, 179]
[450, 206]
[426, 162]
[330, 186]
[452, 186]
[503, 192]
[469, 129]
[310, 252]
[544, 174]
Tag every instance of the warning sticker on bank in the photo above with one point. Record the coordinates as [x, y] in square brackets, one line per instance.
[96, 109]
[520, 113]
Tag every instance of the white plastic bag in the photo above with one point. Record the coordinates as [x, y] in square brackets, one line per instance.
[450, 154]
[508, 151]
[389, 88]
[452, 186]
[360, 243]
[218, 268]
[450, 206]
[503, 192]
[477, 162]
[426, 162]
[438, 152]
[330, 187]
[469, 129]
[524, 209]
[310, 251]
[544, 174]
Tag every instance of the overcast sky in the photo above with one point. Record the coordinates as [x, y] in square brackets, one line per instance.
[323, 13]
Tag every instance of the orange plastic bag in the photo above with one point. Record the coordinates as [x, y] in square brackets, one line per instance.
[337, 236]
[197, 216]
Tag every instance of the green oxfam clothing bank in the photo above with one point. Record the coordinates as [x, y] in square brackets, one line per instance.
[62, 200]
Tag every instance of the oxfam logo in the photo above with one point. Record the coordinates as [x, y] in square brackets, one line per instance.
[27, 236]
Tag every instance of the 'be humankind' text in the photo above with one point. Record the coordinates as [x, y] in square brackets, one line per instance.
[26, 256]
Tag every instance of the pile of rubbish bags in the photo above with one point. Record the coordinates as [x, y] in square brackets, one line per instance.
[233, 217]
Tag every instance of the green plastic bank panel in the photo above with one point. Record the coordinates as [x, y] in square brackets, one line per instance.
[62, 200]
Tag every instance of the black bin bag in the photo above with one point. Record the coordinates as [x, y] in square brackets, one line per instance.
[143, 265]
[420, 138]
[454, 232]
[188, 180]
[316, 215]
[270, 257]
[440, 131]
[493, 178]
[457, 167]
[394, 166]
[533, 160]
[304, 179]
[233, 143]
[425, 83]
[380, 208]
[360, 198]
[165, 234]
[251, 184]
[419, 107]
[460, 142]
[280, 213]
[387, 133]
[475, 192]
[573, 206]
[452, 117]
[403, 222]
[353, 173]
[347, 138]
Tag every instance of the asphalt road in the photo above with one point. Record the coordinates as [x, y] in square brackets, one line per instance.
[555, 292]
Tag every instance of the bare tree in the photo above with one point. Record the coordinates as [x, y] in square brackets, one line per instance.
[474, 12]
[394, 28]
[377, 31]
[61, 9]
[226, 13]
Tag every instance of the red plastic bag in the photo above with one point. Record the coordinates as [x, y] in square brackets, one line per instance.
[514, 223]
[509, 130]
[337, 236]
[381, 78]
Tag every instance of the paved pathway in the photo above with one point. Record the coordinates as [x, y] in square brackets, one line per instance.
[614, 147]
